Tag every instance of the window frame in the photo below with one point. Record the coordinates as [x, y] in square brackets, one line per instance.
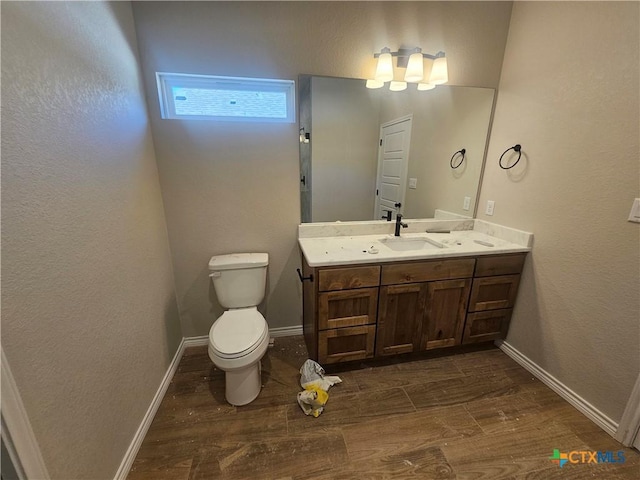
[166, 81]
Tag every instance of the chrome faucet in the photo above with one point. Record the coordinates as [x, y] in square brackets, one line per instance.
[399, 224]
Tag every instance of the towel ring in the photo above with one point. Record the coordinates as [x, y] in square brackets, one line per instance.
[515, 148]
[462, 152]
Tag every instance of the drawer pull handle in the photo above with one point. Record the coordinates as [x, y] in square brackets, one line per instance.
[302, 279]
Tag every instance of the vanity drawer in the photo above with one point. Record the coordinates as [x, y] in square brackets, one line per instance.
[347, 308]
[491, 293]
[346, 278]
[344, 344]
[427, 271]
[486, 326]
[502, 265]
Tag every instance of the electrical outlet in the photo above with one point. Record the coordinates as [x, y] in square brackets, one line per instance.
[634, 215]
[467, 203]
[490, 205]
[413, 182]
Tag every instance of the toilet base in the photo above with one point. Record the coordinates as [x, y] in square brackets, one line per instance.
[243, 380]
[243, 386]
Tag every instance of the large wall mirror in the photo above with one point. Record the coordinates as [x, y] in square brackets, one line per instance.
[359, 147]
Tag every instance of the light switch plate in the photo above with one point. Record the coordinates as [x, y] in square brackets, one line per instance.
[413, 182]
[634, 215]
[467, 203]
[490, 205]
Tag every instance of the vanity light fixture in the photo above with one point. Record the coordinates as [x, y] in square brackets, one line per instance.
[422, 68]
[397, 86]
[426, 86]
[415, 67]
[374, 83]
[384, 68]
[439, 72]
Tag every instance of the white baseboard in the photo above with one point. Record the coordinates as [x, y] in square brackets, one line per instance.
[132, 451]
[273, 333]
[591, 412]
[196, 341]
[21, 442]
[285, 331]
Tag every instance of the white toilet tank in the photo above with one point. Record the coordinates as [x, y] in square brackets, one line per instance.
[239, 279]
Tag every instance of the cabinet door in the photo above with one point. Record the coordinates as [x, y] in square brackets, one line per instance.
[347, 308]
[446, 306]
[344, 344]
[492, 293]
[486, 326]
[400, 317]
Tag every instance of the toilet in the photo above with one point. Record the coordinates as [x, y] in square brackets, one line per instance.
[239, 338]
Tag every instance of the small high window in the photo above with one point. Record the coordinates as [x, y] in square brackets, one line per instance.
[235, 99]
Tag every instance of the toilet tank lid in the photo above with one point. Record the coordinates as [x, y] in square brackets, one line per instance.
[238, 260]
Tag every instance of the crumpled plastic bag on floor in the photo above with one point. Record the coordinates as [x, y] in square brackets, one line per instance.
[314, 397]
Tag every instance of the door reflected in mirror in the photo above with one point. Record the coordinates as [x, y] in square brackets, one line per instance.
[371, 150]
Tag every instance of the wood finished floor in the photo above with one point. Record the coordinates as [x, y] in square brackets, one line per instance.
[476, 415]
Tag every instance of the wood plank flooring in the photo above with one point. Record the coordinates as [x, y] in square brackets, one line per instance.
[474, 415]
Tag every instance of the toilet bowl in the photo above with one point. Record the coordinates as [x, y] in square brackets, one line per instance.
[237, 342]
[239, 338]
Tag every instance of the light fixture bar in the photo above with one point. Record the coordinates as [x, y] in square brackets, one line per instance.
[426, 73]
[406, 52]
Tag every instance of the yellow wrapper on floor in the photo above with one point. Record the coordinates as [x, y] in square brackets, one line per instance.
[312, 400]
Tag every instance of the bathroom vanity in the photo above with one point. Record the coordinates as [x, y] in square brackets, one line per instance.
[375, 295]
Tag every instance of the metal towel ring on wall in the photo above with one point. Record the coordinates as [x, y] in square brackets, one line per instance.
[515, 148]
[462, 152]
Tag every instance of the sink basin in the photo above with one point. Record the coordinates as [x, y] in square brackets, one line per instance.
[403, 244]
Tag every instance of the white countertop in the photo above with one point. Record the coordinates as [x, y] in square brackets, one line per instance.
[475, 238]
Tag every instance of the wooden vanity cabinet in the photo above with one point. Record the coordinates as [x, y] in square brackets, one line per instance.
[445, 312]
[345, 344]
[400, 318]
[361, 311]
[425, 315]
[340, 321]
[347, 324]
[493, 295]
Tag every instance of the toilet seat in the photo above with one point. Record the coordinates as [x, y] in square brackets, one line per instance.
[237, 333]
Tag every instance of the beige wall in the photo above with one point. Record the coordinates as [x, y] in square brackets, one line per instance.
[89, 317]
[569, 94]
[232, 187]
